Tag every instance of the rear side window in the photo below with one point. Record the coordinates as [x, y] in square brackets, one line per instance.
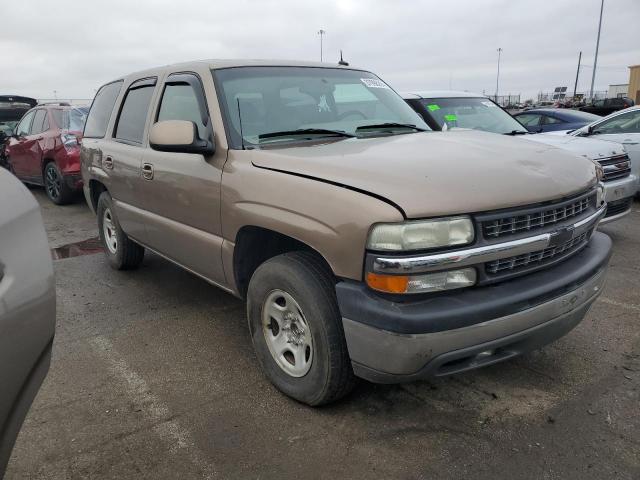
[133, 114]
[529, 120]
[98, 119]
[38, 120]
[179, 102]
[551, 120]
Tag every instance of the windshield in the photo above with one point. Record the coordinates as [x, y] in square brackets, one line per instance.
[318, 100]
[474, 113]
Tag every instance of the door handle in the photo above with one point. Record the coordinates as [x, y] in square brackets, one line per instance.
[147, 171]
[107, 162]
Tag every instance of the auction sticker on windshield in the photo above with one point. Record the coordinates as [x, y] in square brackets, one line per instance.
[374, 83]
[433, 108]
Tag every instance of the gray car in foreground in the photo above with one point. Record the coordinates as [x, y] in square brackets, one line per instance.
[27, 308]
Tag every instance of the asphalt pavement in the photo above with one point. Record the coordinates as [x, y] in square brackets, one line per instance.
[153, 376]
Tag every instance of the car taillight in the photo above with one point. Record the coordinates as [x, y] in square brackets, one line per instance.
[69, 141]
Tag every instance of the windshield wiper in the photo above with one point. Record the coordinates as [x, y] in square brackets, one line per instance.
[324, 132]
[389, 126]
[517, 132]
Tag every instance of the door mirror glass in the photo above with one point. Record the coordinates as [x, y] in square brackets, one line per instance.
[178, 136]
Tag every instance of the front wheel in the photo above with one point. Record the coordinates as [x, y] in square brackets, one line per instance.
[122, 252]
[296, 328]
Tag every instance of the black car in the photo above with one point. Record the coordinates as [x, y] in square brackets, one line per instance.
[605, 106]
[12, 108]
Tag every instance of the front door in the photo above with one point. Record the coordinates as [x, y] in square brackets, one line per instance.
[182, 190]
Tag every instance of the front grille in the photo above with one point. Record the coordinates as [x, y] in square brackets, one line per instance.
[615, 167]
[619, 206]
[536, 218]
[538, 258]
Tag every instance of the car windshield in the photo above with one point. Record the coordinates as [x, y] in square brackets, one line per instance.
[474, 113]
[276, 102]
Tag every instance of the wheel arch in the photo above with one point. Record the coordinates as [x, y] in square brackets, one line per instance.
[254, 245]
[96, 188]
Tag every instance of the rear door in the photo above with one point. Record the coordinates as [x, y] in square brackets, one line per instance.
[550, 123]
[182, 190]
[18, 146]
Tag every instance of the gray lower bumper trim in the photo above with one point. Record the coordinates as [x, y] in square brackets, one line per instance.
[392, 355]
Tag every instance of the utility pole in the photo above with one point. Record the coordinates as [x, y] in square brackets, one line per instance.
[575, 87]
[595, 60]
[498, 76]
[321, 33]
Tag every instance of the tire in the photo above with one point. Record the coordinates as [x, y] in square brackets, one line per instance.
[323, 374]
[55, 186]
[122, 252]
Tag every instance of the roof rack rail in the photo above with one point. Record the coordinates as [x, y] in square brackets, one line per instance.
[60, 104]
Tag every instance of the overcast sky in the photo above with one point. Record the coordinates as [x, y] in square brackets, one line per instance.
[73, 47]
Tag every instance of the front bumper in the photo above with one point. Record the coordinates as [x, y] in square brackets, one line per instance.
[619, 193]
[391, 342]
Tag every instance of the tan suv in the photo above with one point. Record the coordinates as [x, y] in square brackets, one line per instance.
[365, 244]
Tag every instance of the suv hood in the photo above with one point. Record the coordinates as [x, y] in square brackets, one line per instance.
[591, 148]
[440, 173]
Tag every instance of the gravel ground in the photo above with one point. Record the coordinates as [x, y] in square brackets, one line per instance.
[153, 376]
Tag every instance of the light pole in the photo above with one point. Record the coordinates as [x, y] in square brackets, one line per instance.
[321, 33]
[595, 60]
[498, 76]
[575, 87]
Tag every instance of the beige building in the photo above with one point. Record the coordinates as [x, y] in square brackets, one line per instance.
[634, 83]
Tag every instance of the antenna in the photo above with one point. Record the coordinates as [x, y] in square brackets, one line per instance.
[240, 118]
[342, 62]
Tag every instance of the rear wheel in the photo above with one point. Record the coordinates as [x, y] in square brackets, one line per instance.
[55, 186]
[122, 252]
[296, 328]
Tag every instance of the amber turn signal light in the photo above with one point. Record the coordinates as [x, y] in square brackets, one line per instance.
[388, 283]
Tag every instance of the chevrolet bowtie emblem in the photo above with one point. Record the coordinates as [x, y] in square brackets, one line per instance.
[562, 236]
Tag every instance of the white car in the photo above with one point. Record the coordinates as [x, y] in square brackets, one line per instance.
[444, 110]
[622, 127]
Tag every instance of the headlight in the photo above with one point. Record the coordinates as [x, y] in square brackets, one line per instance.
[600, 194]
[599, 171]
[429, 282]
[421, 234]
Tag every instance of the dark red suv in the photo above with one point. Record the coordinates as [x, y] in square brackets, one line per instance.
[44, 149]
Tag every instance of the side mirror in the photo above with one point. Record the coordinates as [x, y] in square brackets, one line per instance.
[178, 136]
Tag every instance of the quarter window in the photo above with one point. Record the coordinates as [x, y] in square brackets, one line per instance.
[179, 102]
[133, 115]
[98, 119]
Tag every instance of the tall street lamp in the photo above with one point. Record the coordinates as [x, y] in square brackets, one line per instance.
[498, 76]
[321, 33]
[595, 60]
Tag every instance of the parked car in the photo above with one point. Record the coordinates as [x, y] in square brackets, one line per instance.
[622, 127]
[44, 149]
[27, 308]
[550, 119]
[364, 244]
[12, 108]
[605, 106]
[450, 110]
